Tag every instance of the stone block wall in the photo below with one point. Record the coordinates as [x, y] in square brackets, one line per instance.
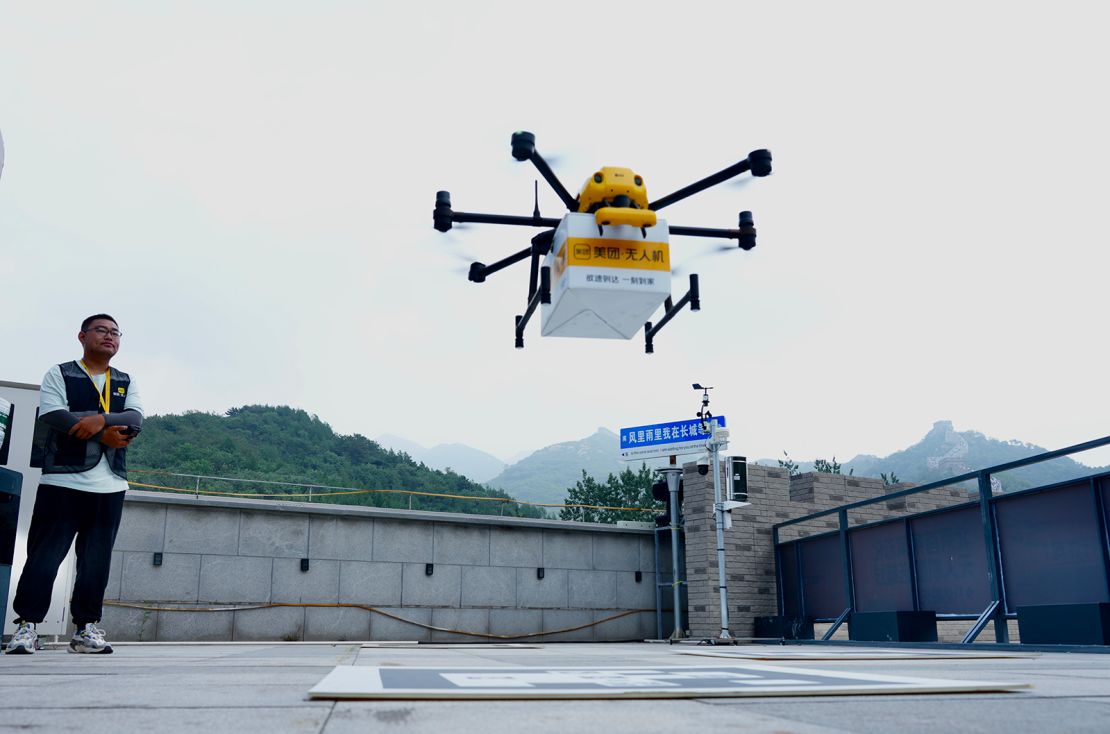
[749, 553]
[220, 556]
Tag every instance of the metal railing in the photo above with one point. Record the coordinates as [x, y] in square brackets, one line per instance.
[311, 492]
[996, 609]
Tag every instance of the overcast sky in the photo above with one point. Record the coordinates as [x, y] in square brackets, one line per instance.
[248, 188]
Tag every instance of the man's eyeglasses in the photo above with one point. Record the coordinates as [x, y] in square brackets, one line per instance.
[105, 331]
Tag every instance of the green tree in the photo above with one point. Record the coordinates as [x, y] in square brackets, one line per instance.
[890, 479]
[790, 465]
[627, 489]
[829, 467]
[287, 445]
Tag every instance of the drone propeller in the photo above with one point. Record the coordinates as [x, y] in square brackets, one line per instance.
[685, 266]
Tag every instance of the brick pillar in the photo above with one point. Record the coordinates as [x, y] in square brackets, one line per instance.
[749, 556]
[749, 553]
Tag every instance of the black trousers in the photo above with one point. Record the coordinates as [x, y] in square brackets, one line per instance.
[60, 515]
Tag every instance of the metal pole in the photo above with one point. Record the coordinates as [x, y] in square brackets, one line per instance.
[673, 475]
[719, 512]
[990, 538]
[197, 496]
[846, 561]
[658, 589]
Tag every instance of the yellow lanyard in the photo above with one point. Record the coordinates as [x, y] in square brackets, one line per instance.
[104, 397]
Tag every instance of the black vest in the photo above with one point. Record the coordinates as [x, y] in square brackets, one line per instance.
[64, 454]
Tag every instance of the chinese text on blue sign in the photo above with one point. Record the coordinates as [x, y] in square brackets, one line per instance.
[665, 439]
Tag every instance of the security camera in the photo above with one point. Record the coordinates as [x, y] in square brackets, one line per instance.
[703, 465]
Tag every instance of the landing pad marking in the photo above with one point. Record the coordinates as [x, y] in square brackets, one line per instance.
[666, 681]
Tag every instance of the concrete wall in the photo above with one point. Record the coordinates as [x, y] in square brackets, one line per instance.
[749, 553]
[227, 552]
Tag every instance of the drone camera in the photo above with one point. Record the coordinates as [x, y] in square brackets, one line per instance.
[524, 145]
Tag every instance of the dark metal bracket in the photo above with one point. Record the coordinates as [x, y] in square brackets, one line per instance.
[692, 297]
[836, 625]
[981, 623]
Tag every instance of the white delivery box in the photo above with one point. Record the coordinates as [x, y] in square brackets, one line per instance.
[606, 284]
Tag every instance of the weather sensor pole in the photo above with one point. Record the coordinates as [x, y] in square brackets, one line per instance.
[718, 439]
[673, 475]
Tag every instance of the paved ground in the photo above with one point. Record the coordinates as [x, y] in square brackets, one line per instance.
[263, 688]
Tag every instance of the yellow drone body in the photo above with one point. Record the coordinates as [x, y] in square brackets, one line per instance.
[616, 196]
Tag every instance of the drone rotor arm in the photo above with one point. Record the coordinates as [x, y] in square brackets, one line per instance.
[758, 162]
[744, 233]
[476, 218]
[553, 180]
[479, 271]
[443, 216]
[725, 234]
[524, 149]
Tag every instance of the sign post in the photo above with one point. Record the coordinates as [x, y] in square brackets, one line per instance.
[670, 439]
[717, 441]
[673, 475]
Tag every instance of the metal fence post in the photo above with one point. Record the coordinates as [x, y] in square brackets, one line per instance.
[780, 602]
[1103, 532]
[846, 561]
[994, 569]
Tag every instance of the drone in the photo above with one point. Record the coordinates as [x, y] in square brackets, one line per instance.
[606, 263]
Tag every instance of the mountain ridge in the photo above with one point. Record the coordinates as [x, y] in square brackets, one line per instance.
[945, 452]
[547, 474]
[474, 464]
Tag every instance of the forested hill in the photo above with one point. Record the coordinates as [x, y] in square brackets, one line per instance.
[288, 445]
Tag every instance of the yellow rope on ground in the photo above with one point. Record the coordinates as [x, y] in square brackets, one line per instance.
[372, 491]
[374, 610]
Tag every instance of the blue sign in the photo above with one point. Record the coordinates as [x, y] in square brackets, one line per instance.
[664, 439]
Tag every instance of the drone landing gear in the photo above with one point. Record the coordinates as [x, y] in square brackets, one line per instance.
[692, 297]
[538, 292]
[541, 295]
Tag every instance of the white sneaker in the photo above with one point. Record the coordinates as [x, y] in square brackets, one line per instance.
[90, 639]
[25, 640]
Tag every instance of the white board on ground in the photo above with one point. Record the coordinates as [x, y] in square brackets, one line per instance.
[454, 645]
[667, 681]
[781, 653]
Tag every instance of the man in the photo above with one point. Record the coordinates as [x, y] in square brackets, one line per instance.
[88, 414]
